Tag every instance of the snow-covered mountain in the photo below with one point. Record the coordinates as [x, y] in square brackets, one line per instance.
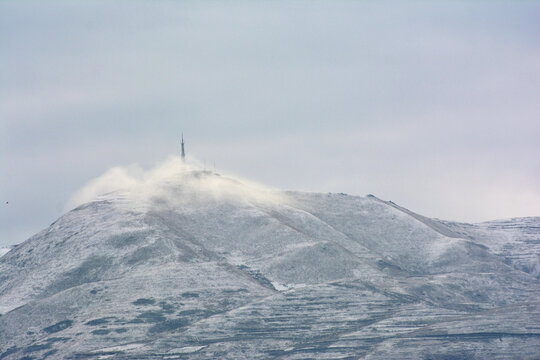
[4, 250]
[201, 266]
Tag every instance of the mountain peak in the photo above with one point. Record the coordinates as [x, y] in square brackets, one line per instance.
[171, 184]
[181, 262]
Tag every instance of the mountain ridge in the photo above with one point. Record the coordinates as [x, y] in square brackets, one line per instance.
[196, 265]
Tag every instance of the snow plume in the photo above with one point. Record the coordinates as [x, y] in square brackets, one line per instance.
[172, 183]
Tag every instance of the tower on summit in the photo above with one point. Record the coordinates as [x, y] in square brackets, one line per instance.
[183, 152]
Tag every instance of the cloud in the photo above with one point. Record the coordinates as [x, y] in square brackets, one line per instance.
[172, 183]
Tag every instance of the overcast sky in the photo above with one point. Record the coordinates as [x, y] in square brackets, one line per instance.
[434, 105]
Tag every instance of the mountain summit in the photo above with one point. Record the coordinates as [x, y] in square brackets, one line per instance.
[188, 264]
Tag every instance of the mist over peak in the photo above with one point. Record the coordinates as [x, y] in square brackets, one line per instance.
[171, 183]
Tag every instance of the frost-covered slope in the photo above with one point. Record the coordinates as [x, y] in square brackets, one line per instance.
[516, 240]
[4, 251]
[202, 266]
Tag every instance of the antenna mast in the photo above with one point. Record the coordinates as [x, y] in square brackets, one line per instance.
[183, 152]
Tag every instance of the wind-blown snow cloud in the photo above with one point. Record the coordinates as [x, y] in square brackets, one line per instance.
[172, 183]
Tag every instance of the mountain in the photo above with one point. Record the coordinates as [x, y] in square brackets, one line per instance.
[196, 265]
[4, 250]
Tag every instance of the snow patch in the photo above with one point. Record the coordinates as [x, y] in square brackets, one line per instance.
[441, 246]
[286, 287]
[186, 350]
[4, 251]
[122, 347]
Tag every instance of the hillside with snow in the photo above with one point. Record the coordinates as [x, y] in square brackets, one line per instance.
[4, 251]
[193, 265]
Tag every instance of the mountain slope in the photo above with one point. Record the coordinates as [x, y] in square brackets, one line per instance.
[203, 266]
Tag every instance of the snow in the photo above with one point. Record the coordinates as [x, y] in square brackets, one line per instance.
[122, 347]
[194, 265]
[4, 251]
[186, 349]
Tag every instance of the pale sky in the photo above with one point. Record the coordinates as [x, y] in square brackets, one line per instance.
[434, 105]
